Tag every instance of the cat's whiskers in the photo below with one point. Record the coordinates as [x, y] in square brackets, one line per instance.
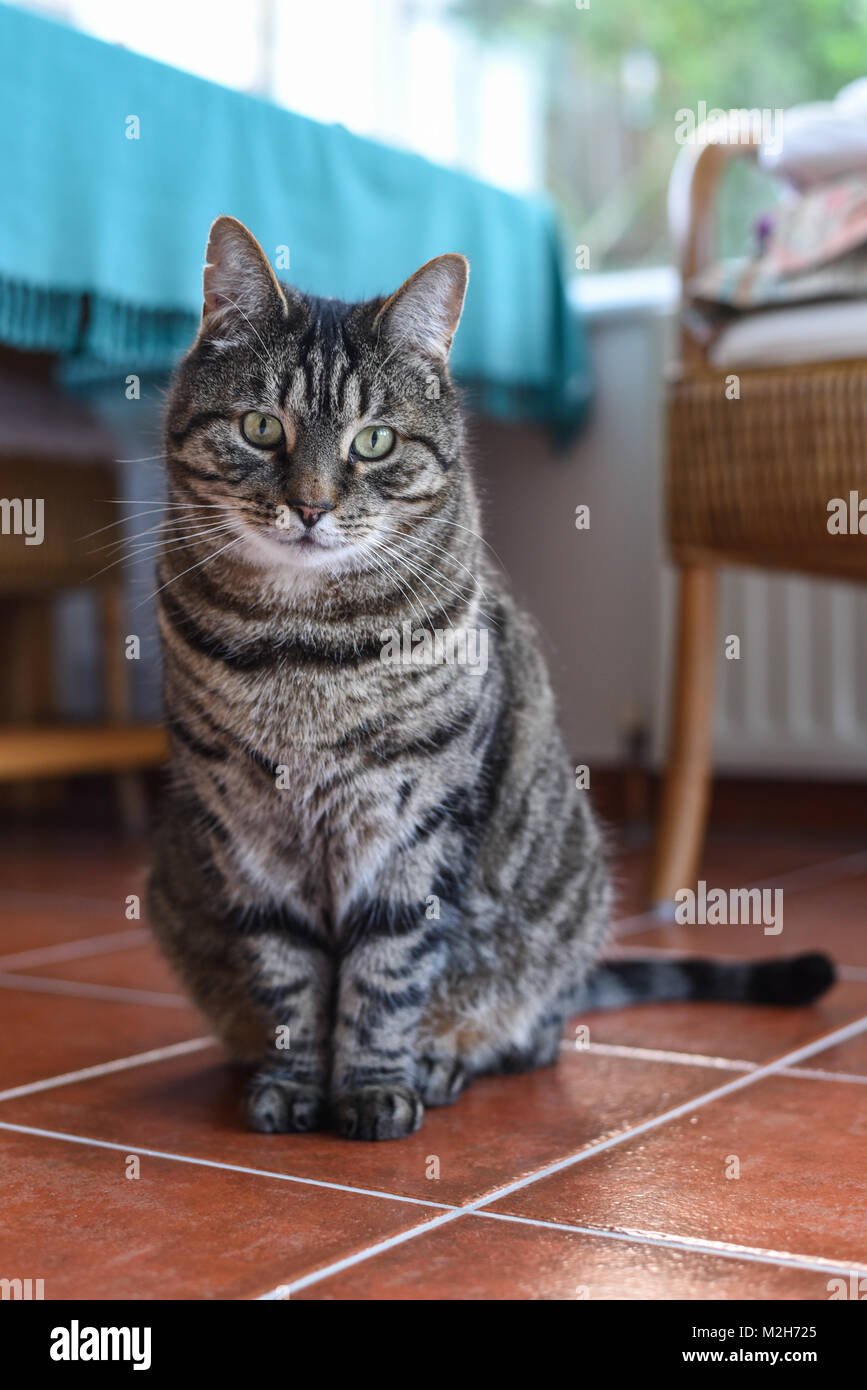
[406, 589]
[382, 565]
[151, 511]
[418, 541]
[175, 542]
[414, 547]
[146, 458]
[189, 570]
[401, 559]
[160, 528]
[153, 547]
[442, 521]
[437, 574]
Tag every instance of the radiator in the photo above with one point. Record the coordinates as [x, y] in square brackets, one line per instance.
[795, 702]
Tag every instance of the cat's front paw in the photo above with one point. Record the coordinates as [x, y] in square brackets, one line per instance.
[377, 1112]
[278, 1105]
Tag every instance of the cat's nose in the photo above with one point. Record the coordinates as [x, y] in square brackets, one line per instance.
[310, 512]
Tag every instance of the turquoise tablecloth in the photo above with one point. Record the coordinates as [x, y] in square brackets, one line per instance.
[88, 211]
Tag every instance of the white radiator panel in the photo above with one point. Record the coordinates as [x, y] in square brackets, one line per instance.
[796, 701]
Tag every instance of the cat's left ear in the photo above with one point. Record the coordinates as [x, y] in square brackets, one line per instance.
[423, 315]
[238, 283]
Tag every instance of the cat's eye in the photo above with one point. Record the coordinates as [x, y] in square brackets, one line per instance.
[261, 429]
[374, 442]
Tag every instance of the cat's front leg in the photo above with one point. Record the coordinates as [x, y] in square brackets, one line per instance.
[391, 952]
[290, 981]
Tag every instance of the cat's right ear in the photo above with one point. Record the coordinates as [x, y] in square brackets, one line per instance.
[238, 283]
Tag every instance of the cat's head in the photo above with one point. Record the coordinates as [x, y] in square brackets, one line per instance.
[311, 428]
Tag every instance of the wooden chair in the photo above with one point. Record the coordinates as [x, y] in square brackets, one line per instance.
[52, 450]
[748, 482]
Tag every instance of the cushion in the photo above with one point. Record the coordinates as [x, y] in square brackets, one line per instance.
[827, 332]
[822, 140]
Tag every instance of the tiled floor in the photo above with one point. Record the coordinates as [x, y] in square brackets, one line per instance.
[610, 1176]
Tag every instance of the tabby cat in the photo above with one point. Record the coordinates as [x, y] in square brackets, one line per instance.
[374, 874]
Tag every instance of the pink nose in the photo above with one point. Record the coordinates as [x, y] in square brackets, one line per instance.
[311, 514]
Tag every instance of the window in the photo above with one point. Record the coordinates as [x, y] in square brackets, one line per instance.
[579, 97]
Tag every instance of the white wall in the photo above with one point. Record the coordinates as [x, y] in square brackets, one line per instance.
[595, 594]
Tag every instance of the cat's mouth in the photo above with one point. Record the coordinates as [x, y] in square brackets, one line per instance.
[299, 550]
[307, 540]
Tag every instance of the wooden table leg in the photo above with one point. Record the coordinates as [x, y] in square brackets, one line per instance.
[118, 698]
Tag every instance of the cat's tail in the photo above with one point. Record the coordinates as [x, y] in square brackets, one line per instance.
[790, 980]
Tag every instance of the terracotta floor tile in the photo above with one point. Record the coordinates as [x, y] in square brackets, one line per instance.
[725, 864]
[849, 1057]
[80, 1224]
[475, 1258]
[828, 917]
[44, 1035]
[502, 1129]
[25, 928]
[138, 967]
[801, 1149]
[85, 866]
[745, 1032]
[73, 1218]
[736, 861]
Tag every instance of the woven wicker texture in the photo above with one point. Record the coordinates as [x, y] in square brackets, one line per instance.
[749, 480]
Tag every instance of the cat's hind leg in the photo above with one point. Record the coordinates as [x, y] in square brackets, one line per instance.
[441, 1078]
[542, 1049]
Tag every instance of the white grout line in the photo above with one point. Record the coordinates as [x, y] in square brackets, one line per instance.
[284, 1291]
[781, 1065]
[844, 866]
[653, 1054]
[451, 1213]
[691, 1246]
[74, 950]
[699, 1059]
[641, 921]
[750, 1078]
[816, 1074]
[839, 1035]
[224, 1167]
[139, 1059]
[686, 1245]
[80, 989]
[65, 903]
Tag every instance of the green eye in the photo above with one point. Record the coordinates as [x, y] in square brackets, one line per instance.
[260, 429]
[374, 442]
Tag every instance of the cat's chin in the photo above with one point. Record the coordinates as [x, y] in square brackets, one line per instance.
[300, 556]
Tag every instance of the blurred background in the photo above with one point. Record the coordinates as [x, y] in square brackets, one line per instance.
[566, 107]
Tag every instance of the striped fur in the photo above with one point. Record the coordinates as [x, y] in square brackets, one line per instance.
[387, 866]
